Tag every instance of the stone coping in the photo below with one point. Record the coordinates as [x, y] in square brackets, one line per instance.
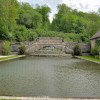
[42, 98]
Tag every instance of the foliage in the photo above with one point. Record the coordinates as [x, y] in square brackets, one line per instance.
[6, 49]
[32, 35]
[29, 17]
[77, 50]
[22, 22]
[98, 42]
[95, 51]
[97, 57]
[22, 50]
[44, 11]
[8, 16]
[21, 33]
[68, 20]
[66, 36]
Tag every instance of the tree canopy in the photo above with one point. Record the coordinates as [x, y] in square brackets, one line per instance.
[23, 22]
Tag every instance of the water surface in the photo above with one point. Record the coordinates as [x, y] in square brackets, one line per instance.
[50, 76]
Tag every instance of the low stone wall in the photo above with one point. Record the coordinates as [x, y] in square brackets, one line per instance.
[15, 47]
[85, 48]
[65, 46]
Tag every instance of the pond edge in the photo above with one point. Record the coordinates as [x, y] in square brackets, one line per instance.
[87, 59]
[13, 57]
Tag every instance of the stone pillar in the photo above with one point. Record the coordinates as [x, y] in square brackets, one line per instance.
[93, 43]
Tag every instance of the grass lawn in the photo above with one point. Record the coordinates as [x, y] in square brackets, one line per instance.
[7, 99]
[10, 57]
[90, 58]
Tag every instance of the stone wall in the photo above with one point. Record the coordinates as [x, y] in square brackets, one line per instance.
[15, 47]
[85, 48]
[55, 42]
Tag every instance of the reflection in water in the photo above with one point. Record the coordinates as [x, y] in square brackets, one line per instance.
[50, 76]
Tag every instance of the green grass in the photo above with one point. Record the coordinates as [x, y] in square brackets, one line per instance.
[7, 99]
[90, 58]
[10, 57]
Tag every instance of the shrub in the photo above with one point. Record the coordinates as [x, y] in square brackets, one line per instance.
[77, 50]
[6, 49]
[95, 51]
[98, 42]
[21, 33]
[32, 35]
[22, 50]
[97, 57]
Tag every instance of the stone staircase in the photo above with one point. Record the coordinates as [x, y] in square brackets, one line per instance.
[34, 46]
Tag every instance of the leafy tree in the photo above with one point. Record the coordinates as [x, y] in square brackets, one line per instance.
[44, 11]
[29, 17]
[21, 33]
[69, 20]
[8, 16]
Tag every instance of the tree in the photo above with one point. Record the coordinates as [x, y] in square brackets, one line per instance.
[8, 16]
[44, 11]
[21, 33]
[29, 17]
[13, 6]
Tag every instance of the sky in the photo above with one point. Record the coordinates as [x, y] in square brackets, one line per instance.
[81, 5]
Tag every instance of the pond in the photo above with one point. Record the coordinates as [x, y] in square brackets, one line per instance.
[57, 77]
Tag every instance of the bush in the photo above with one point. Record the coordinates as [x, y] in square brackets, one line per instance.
[22, 50]
[77, 50]
[98, 42]
[21, 33]
[97, 57]
[95, 51]
[6, 49]
[32, 35]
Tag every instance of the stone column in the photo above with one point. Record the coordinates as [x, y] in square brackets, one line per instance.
[93, 43]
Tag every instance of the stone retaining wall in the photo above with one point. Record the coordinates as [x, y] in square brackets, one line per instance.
[85, 48]
[56, 42]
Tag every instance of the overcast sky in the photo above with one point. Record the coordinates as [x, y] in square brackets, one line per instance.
[82, 5]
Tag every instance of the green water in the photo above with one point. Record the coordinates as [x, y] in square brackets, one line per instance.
[50, 76]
